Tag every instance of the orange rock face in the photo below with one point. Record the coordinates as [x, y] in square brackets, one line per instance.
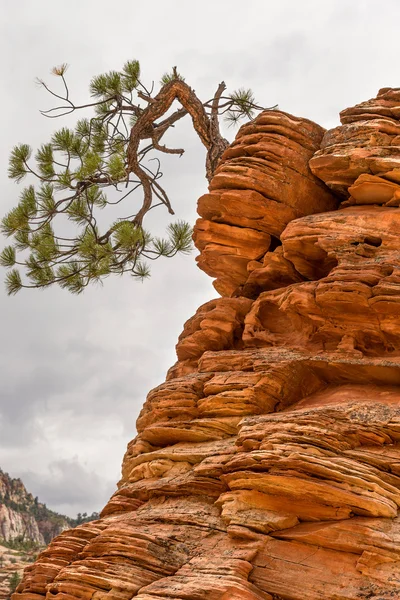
[261, 184]
[267, 466]
[360, 160]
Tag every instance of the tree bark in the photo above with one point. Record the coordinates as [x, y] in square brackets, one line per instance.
[206, 127]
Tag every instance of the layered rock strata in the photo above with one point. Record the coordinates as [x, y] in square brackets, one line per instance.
[360, 160]
[262, 182]
[267, 466]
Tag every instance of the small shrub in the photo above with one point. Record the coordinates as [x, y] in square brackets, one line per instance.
[14, 582]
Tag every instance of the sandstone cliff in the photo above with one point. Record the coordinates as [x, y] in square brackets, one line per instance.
[267, 466]
[23, 517]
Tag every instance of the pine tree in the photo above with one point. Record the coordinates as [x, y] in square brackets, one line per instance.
[104, 162]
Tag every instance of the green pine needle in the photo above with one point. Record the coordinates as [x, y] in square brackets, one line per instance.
[232, 118]
[82, 128]
[116, 167]
[27, 202]
[127, 235]
[13, 282]
[17, 164]
[70, 277]
[130, 75]
[106, 85]
[162, 246]
[98, 86]
[78, 211]
[44, 158]
[8, 257]
[21, 240]
[142, 271]
[15, 220]
[180, 234]
[96, 197]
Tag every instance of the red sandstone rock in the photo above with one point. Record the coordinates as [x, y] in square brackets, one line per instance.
[274, 272]
[262, 183]
[267, 466]
[325, 455]
[371, 189]
[362, 157]
[217, 325]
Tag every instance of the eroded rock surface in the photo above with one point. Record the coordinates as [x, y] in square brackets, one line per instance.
[267, 466]
[360, 160]
[261, 184]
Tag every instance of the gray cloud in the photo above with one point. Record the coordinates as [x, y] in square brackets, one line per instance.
[69, 486]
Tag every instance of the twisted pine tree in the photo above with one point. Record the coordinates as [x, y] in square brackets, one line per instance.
[104, 163]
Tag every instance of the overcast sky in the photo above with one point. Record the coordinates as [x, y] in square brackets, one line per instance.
[75, 370]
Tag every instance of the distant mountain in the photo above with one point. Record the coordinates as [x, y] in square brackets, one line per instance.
[26, 526]
[24, 521]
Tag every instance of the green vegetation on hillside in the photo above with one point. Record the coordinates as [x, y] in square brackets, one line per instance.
[20, 543]
[14, 581]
